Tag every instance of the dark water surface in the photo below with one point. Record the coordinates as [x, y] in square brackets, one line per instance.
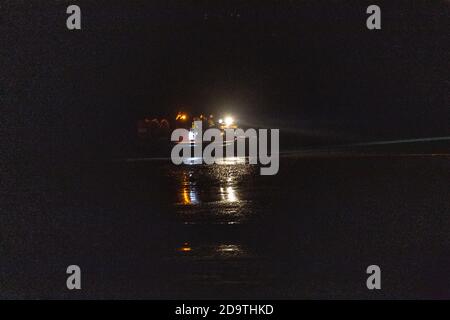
[149, 229]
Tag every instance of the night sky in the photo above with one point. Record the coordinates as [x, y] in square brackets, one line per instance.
[310, 68]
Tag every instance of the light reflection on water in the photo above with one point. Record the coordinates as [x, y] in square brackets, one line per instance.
[222, 251]
[228, 194]
[209, 195]
[189, 195]
[231, 160]
[219, 161]
[217, 187]
[215, 263]
[230, 250]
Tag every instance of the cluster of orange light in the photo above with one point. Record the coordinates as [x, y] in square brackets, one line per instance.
[181, 116]
[185, 247]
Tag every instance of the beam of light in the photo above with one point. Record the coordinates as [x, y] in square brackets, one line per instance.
[362, 144]
[430, 139]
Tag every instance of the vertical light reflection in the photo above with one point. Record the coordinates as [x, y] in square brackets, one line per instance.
[228, 194]
[188, 190]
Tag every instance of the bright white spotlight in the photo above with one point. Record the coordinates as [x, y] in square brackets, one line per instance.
[220, 121]
[229, 121]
